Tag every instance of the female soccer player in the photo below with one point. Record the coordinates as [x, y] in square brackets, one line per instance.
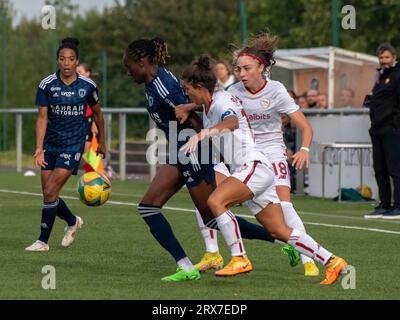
[264, 101]
[62, 98]
[252, 174]
[163, 91]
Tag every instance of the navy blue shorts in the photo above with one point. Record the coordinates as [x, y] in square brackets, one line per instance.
[66, 160]
[193, 176]
[193, 171]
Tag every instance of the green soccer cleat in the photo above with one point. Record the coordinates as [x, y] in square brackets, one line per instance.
[294, 255]
[182, 275]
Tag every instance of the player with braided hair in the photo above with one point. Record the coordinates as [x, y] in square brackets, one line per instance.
[143, 59]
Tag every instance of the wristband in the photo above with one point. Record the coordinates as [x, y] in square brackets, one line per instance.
[305, 149]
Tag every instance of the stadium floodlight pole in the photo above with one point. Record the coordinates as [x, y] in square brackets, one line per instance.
[4, 18]
[335, 23]
[243, 21]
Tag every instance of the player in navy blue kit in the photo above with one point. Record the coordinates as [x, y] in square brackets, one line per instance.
[62, 99]
[163, 92]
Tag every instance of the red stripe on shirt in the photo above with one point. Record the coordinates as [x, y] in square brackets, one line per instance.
[258, 90]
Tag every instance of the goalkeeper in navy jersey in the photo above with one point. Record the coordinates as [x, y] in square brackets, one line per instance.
[62, 99]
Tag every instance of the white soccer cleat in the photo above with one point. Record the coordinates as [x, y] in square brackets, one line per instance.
[70, 232]
[38, 246]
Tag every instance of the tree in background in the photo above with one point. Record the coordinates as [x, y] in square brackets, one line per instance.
[190, 27]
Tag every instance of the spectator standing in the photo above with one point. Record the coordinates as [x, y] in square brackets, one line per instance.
[384, 104]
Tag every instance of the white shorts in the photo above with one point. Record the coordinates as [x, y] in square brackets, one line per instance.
[259, 178]
[222, 168]
[277, 155]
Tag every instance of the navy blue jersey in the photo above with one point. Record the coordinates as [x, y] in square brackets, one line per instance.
[66, 125]
[163, 93]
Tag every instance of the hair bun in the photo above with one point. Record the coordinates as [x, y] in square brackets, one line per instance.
[73, 41]
[205, 62]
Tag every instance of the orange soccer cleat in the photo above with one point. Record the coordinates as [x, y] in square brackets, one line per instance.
[236, 266]
[333, 269]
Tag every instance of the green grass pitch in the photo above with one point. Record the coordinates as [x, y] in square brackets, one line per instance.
[115, 256]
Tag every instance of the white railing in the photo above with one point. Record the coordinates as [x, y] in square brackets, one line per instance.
[108, 113]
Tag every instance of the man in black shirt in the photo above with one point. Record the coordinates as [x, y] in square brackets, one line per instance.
[384, 104]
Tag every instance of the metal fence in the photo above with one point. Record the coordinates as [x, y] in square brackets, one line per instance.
[108, 115]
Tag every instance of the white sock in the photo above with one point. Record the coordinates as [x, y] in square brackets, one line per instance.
[229, 228]
[209, 235]
[293, 220]
[185, 264]
[307, 246]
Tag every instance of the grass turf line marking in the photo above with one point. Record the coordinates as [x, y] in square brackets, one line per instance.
[191, 210]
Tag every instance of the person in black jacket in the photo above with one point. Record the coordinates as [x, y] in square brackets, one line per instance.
[384, 104]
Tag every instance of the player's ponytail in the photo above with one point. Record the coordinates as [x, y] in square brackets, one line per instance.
[201, 73]
[160, 50]
[69, 43]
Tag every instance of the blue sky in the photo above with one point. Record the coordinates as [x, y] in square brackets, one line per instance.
[32, 8]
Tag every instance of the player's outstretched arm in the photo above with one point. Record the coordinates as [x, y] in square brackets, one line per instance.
[228, 124]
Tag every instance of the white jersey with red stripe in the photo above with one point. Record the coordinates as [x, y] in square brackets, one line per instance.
[238, 147]
[263, 109]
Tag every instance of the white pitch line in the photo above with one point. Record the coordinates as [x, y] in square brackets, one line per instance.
[191, 210]
[327, 215]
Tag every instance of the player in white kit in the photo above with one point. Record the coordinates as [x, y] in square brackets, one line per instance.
[264, 101]
[252, 175]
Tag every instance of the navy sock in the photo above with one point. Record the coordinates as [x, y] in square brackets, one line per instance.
[253, 231]
[64, 213]
[49, 213]
[161, 230]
